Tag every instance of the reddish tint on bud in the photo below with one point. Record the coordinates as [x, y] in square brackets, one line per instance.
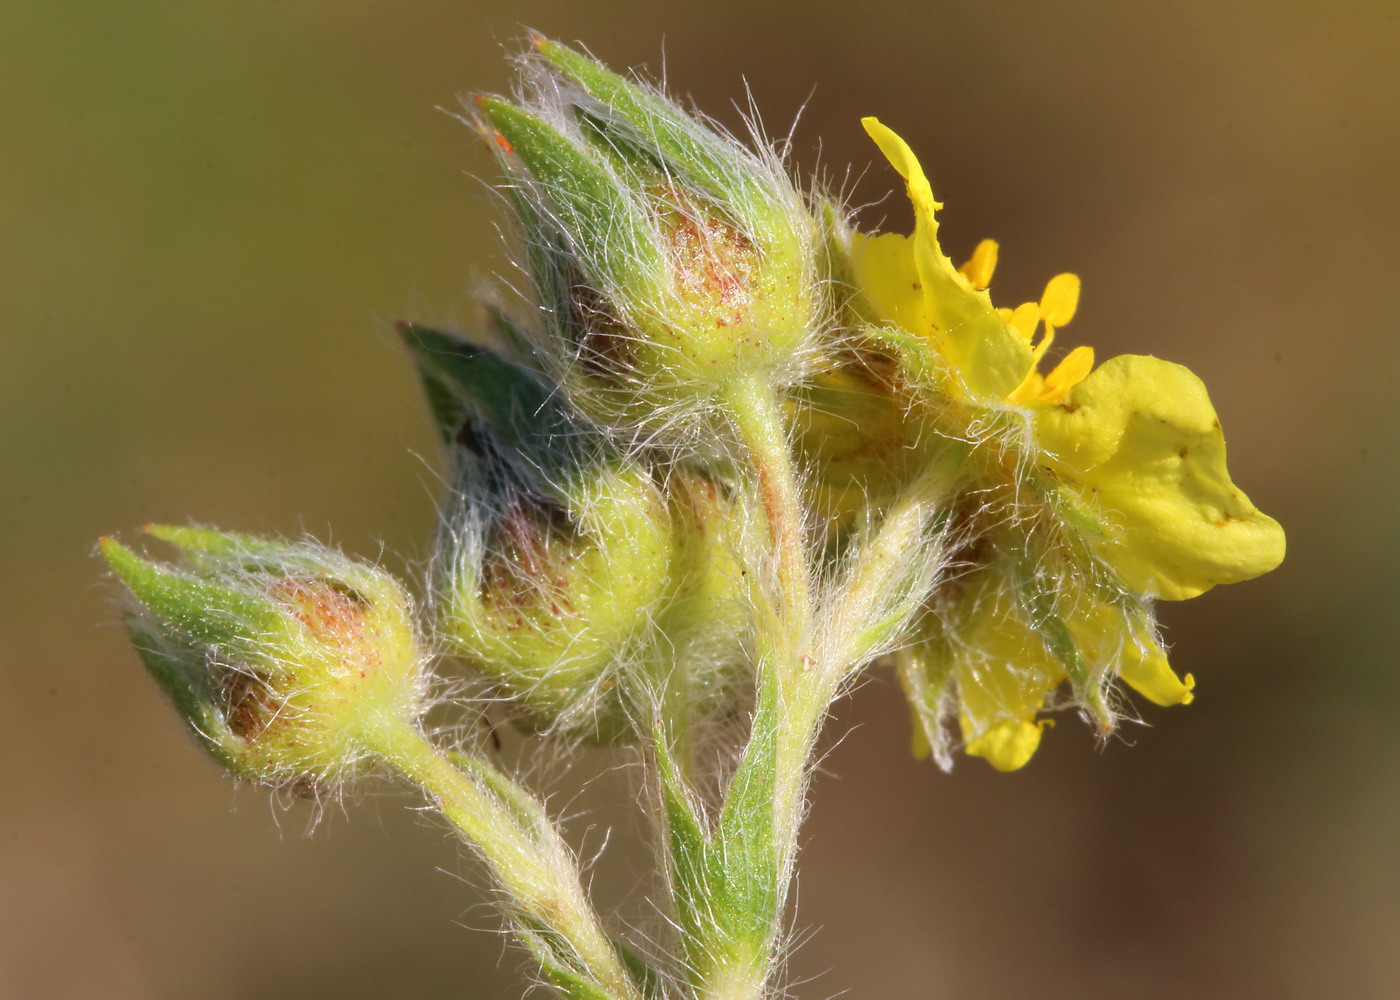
[667, 259]
[284, 659]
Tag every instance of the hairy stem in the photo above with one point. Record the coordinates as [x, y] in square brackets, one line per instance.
[801, 665]
[510, 830]
[750, 857]
[754, 410]
[886, 583]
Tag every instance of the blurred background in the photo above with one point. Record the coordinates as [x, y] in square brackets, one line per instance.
[210, 212]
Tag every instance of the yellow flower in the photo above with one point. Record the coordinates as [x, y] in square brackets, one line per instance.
[1005, 666]
[1131, 454]
[1011, 674]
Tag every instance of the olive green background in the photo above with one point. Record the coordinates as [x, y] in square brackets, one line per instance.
[209, 212]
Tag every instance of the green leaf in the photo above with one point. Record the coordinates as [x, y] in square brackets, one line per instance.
[474, 391]
[560, 965]
[726, 886]
[689, 847]
[745, 850]
[648, 980]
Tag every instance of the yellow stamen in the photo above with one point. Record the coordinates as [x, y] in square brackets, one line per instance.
[1061, 299]
[1072, 370]
[1046, 339]
[981, 265]
[1024, 319]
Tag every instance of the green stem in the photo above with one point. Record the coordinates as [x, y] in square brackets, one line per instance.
[754, 410]
[526, 854]
[799, 673]
[879, 573]
[750, 857]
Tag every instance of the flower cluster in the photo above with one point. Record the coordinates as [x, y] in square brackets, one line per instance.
[593, 559]
[719, 453]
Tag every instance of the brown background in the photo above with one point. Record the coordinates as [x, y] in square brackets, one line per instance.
[210, 210]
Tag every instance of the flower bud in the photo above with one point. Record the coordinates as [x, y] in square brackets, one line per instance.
[568, 565]
[280, 657]
[666, 257]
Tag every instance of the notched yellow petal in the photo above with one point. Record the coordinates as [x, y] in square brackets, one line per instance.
[1139, 439]
[904, 161]
[1149, 674]
[991, 359]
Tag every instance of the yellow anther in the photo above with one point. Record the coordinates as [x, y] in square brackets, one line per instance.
[981, 265]
[1060, 300]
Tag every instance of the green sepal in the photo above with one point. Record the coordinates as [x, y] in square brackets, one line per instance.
[205, 551]
[200, 609]
[514, 341]
[925, 669]
[182, 674]
[608, 231]
[1040, 612]
[217, 543]
[921, 363]
[209, 552]
[659, 128]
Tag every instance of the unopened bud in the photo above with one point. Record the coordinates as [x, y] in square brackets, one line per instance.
[667, 258]
[572, 571]
[281, 658]
[559, 548]
[554, 600]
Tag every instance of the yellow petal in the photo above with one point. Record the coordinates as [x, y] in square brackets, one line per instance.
[884, 270]
[991, 359]
[1124, 641]
[981, 265]
[1149, 674]
[904, 161]
[1003, 681]
[1007, 745]
[1060, 300]
[1139, 439]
